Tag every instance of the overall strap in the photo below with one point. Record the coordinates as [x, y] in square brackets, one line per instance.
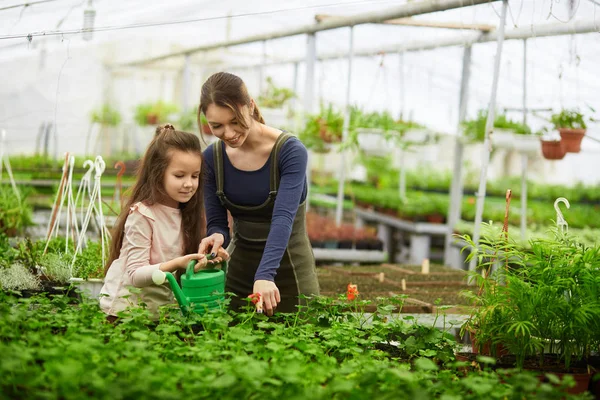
[218, 160]
[274, 175]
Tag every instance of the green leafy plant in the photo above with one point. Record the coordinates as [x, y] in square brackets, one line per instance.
[106, 115]
[18, 277]
[55, 267]
[188, 121]
[15, 211]
[88, 264]
[475, 129]
[568, 118]
[275, 96]
[538, 299]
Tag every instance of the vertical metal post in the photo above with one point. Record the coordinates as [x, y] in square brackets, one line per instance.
[342, 173]
[261, 70]
[456, 189]
[524, 155]
[185, 90]
[402, 178]
[294, 100]
[401, 155]
[309, 93]
[489, 127]
[402, 87]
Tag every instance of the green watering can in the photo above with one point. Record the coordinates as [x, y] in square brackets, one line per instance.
[200, 290]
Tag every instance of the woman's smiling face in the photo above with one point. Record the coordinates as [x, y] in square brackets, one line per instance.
[224, 124]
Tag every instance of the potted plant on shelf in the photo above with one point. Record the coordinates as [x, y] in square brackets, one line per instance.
[273, 101]
[154, 113]
[188, 121]
[323, 129]
[571, 125]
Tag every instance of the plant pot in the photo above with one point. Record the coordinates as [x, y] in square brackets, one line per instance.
[571, 139]
[89, 287]
[330, 244]
[152, 119]
[485, 348]
[206, 129]
[435, 218]
[317, 244]
[376, 244]
[345, 244]
[553, 149]
[362, 244]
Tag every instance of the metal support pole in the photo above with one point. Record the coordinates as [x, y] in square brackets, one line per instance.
[261, 70]
[294, 100]
[402, 177]
[185, 90]
[524, 155]
[489, 127]
[456, 190]
[342, 176]
[309, 92]
[402, 87]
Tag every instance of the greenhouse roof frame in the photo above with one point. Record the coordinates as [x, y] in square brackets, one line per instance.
[402, 11]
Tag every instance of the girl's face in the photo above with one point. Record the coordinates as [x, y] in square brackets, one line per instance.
[181, 177]
[225, 126]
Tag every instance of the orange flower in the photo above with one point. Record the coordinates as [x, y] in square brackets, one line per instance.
[352, 291]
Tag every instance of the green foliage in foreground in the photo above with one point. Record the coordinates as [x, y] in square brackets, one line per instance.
[54, 349]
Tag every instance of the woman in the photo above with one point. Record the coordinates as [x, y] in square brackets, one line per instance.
[258, 173]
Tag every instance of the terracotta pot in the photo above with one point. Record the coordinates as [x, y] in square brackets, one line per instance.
[152, 119]
[435, 218]
[206, 129]
[582, 380]
[571, 139]
[553, 149]
[486, 347]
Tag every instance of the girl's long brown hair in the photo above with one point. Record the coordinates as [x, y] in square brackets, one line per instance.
[149, 189]
[227, 90]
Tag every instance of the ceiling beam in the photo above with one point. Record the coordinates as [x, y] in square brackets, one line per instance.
[400, 11]
[429, 24]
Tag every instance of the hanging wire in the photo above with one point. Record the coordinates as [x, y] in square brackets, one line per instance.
[186, 21]
[25, 5]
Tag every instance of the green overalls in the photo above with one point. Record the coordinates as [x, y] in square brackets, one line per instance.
[251, 225]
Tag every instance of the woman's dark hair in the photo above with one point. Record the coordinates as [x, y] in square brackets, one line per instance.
[227, 90]
[149, 189]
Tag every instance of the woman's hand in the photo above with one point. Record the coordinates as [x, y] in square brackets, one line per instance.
[269, 296]
[214, 243]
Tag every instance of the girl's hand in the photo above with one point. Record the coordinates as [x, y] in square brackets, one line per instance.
[185, 260]
[269, 296]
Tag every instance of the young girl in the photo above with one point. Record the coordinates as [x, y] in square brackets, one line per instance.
[160, 227]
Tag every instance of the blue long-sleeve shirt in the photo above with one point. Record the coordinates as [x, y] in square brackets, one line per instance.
[251, 188]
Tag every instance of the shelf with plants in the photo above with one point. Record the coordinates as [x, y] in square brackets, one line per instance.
[324, 233]
[419, 205]
[507, 133]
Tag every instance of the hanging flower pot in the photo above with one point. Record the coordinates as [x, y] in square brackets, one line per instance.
[553, 149]
[571, 139]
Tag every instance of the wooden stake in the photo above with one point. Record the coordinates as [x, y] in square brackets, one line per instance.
[425, 266]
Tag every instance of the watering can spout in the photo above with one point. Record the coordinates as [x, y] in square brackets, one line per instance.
[159, 277]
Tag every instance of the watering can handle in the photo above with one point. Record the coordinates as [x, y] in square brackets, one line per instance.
[189, 272]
